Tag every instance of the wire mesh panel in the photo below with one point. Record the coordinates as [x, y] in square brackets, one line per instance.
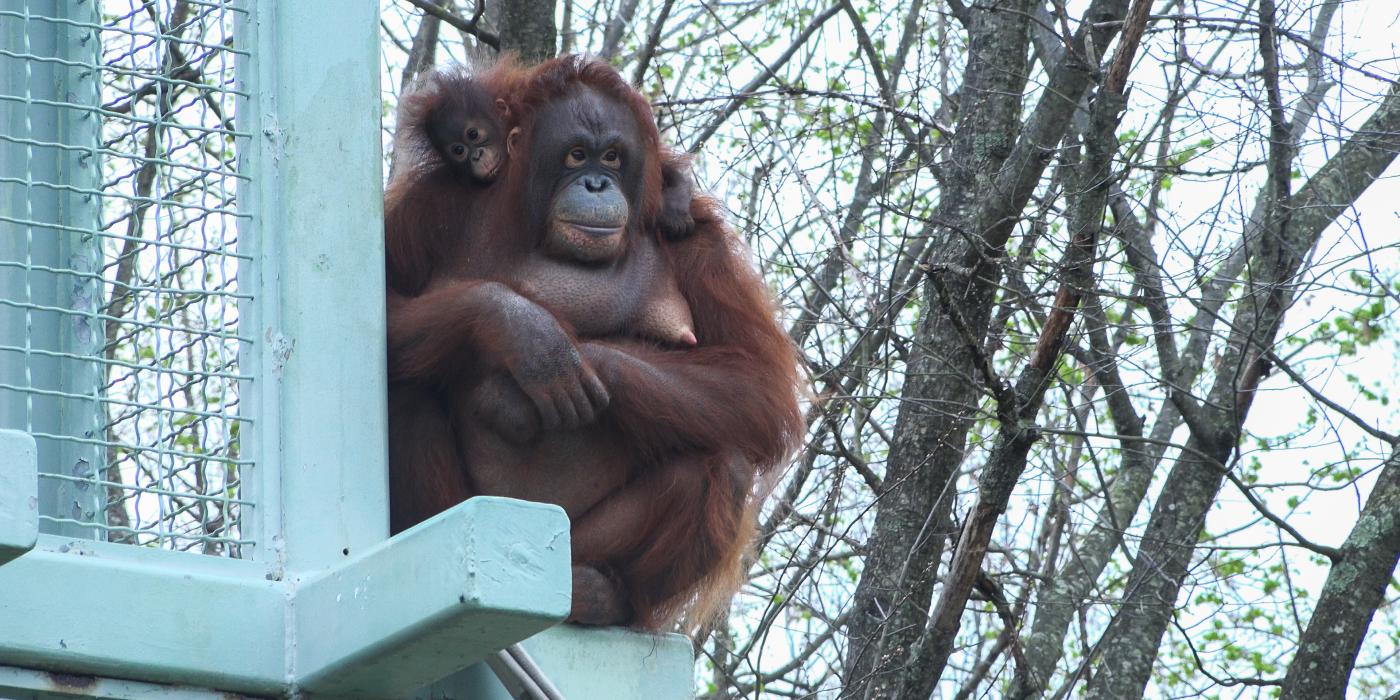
[119, 252]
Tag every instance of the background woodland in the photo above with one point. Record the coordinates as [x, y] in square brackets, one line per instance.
[1096, 301]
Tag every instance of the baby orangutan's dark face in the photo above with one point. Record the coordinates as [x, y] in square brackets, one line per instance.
[468, 134]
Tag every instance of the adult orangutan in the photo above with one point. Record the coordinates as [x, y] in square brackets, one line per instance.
[452, 140]
[518, 370]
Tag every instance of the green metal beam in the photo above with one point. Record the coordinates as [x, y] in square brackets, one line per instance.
[132, 612]
[19, 497]
[583, 662]
[482, 575]
[31, 684]
[485, 574]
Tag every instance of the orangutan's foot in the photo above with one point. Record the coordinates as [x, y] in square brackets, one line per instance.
[598, 599]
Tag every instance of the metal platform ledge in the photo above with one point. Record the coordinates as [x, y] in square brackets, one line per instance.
[410, 611]
[585, 664]
[425, 604]
[483, 575]
[86, 619]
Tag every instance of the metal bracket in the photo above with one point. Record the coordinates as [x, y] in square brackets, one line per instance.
[19, 494]
[477, 577]
[521, 677]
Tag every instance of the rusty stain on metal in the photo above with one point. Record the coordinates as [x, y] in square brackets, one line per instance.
[71, 681]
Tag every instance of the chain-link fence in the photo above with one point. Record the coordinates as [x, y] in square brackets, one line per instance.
[119, 253]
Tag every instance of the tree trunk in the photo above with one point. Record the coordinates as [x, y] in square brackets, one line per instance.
[1355, 588]
[1131, 643]
[939, 401]
[527, 28]
[940, 396]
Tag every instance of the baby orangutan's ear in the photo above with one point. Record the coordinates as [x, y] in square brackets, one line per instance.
[502, 109]
[512, 140]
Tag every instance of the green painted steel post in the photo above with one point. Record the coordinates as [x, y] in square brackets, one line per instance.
[50, 333]
[318, 275]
